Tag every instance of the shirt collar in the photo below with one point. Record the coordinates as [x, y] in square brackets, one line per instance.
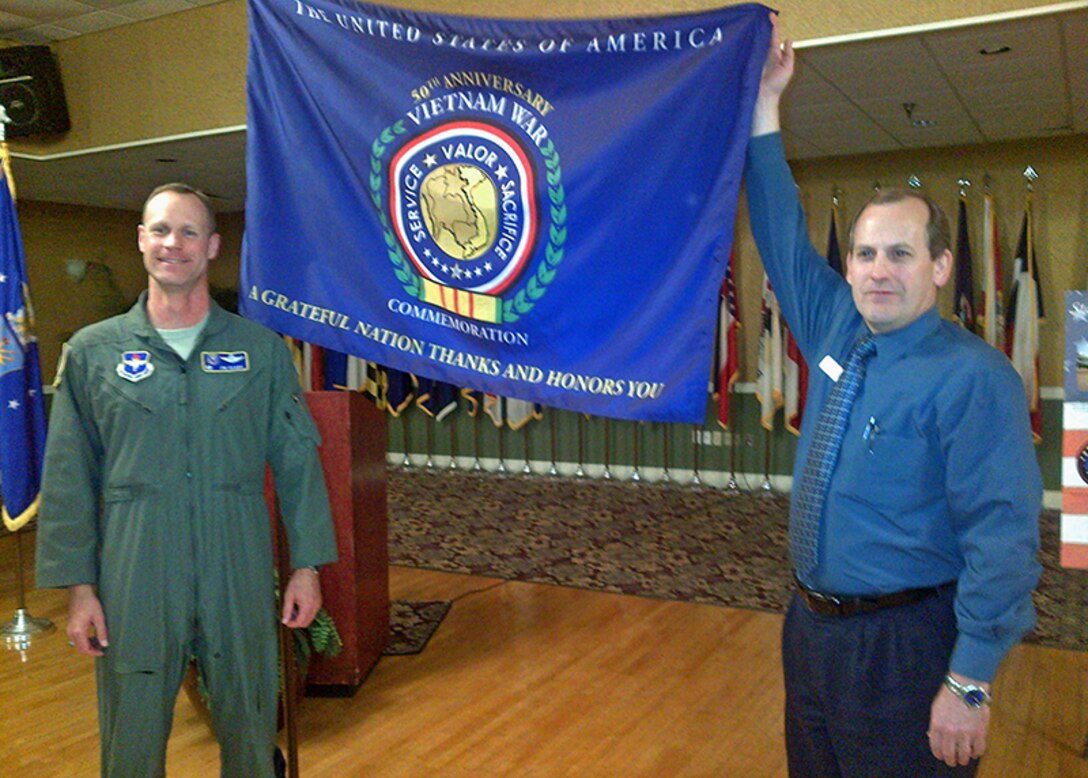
[894, 344]
[140, 325]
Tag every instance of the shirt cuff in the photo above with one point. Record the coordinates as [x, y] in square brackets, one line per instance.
[976, 659]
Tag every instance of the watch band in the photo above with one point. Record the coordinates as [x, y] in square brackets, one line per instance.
[972, 696]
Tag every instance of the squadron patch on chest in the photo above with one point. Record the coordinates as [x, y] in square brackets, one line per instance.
[224, 361]
[135, 366]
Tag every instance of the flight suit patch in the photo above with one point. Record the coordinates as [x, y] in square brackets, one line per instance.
[224, 361]
[135, 366]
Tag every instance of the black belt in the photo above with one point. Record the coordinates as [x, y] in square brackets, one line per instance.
[833, 605]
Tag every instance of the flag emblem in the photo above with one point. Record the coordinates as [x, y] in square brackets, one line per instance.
[11, 350]
[464, 206]
[224, 361]
[467, 207]
[1082, 464]
[135, 366]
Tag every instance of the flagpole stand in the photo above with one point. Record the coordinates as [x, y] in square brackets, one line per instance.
[553, 471]
[429, 464]
[765, 487]
[502, 469]
[453, 441]
[476, 464]
[528, 469]
[732, 486]
[18, 632]
[407, 461]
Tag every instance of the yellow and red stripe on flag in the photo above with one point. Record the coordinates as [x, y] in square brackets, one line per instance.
[1074, 535]
[472, 305]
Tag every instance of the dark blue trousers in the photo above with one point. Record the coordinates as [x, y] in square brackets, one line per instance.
[859, 690]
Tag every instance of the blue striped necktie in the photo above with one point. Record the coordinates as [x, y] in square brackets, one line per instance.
[822, 454]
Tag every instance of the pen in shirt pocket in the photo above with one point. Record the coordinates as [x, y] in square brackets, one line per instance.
[872, 429]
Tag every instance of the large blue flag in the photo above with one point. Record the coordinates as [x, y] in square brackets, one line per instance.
[534, 209]
[22, 414]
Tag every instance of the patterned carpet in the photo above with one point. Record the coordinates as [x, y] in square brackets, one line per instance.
[411, 625]
[659, 541]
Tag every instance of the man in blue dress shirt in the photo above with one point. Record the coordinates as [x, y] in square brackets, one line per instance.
[927, 538]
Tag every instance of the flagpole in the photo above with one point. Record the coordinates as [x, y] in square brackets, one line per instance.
[607, 475]
[554, 469]
[453, 441]
[665, 477]
[502, 447]
[732, 486]
[429, 464]
[406, 462]
[17, 633]
[580, 472]
[766, 485]
[528, 469]
[696, 436]
[476, 465]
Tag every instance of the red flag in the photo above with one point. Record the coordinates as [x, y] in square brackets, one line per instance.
[726, 361]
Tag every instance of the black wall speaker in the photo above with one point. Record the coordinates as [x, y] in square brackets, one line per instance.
[31, 92]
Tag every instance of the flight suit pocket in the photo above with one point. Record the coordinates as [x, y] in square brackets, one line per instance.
[301, 423]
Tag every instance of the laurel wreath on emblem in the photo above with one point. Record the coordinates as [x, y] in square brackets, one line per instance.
[522, 302]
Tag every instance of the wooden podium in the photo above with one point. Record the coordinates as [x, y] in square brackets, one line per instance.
[355, 590]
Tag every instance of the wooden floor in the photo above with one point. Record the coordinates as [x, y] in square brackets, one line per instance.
[533, 680]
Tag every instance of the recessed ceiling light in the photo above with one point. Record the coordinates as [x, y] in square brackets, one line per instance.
[994, 51]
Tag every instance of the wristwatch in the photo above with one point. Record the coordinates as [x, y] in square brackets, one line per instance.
[972, 696]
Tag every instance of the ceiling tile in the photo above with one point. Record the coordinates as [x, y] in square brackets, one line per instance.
[149, 9]
[10, 21]
[94, 22]
[959, 50]
[46, 10]
[104, 4]
[864, 70]
[29, 36]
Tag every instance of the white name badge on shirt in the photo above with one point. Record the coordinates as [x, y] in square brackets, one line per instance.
[831, 367]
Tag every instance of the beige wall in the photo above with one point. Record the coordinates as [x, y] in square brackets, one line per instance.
[1061, 216]
[186, 72]
[106, 240]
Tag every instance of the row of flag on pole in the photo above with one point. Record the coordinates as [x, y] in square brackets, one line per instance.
[397, 392]
[1010, 323]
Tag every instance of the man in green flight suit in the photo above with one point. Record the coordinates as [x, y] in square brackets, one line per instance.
[153, 512]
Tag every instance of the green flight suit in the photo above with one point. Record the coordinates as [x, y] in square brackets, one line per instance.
[153, 491]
